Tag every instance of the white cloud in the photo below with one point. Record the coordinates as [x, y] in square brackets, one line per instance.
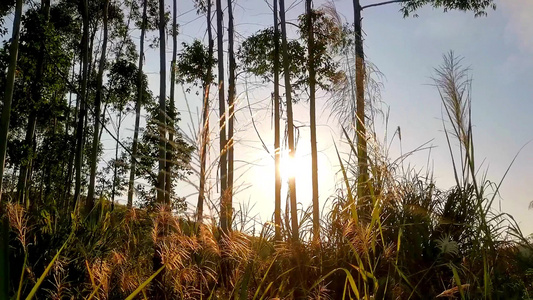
[519, 26]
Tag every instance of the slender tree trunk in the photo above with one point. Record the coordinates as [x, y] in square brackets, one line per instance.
[290, 122]
[4, 128]
[277, 142]
[205, 120]
[231, 113]
[157, 261]
[225, 209]
[35, 100]
[172, 107]
[162, 105]
[51, 165]
[114, 185]
[72, 146]
[140, 92]
[89, 203]
[66, 144]
[224, 222]
[27, 154]
[102, 117]
[312, 116]
[78, 163]
[360, 111]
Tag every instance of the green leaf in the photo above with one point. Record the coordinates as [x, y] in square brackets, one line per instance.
[145, 283]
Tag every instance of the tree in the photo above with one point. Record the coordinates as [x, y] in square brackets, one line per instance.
[4, 128]
[224, 222]
[277, 141]
[205, 115]
[479, 8]
[231, 114]
[141, 86]
[259, 55]
[195, 67]
[312, 117]
[172, 106]
[290, 122]
[118, 168]
[122, 90]
[148, 161]
[162, 105]
[36, 101]
[84, 11]
[360, 102]
[89, 203]
[39, 101]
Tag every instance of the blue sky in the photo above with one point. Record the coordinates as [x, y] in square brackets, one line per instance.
[499, 51]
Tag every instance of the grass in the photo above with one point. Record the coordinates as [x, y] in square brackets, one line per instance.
[412, 240]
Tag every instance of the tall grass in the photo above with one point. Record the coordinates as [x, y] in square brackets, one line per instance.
[412, 240]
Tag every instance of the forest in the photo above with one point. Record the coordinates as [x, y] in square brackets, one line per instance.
[121, 182]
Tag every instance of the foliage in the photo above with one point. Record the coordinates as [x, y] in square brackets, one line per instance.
[479, 7]
[257, 55]
[329, 40]
[193, 65]
[148, 159]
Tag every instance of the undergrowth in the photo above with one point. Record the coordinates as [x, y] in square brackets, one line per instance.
[414, 241]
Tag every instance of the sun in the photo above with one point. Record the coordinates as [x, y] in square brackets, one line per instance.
[294, 167]
[299, 168]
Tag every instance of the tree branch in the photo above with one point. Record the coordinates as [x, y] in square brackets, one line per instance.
[382, 3]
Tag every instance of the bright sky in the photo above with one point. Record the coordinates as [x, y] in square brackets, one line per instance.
[498, 49]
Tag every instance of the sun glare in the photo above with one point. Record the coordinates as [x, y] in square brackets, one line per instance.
[291, 167]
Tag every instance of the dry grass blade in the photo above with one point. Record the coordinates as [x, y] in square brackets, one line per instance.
[452, 293]
[144, 284]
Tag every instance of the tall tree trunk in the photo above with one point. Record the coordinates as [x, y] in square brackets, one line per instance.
[66, 144]
[204, 141]
[4, 128]
[312, 116]
[231, 114]
[157, 261]
[115, 167]
[89, 203]
[224, 222]
[360, 111]
[225, 209]
[172, 107]
[72, 146]
[36, 92]
[27, 154]
[51, 165]
[290, 122]
[277, 142]
[78, 163]
[162, 105]
[140, 92]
